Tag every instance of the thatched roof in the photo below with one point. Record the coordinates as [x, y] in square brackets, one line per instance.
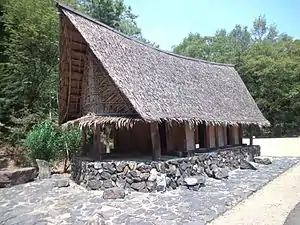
[162, 85]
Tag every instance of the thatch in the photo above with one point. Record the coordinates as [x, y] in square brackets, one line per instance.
[165, 86]
[92, 120]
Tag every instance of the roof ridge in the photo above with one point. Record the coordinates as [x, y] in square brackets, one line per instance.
[60, 5]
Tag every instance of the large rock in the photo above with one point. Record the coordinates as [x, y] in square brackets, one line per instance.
[190, 181]
[245, 165]
[195, 180]
[138, 186]
[221, 173]
[262, 160]
[94, 184]
[114, 193]
[161, 183]
[44, 169]
[61, 183]
[153, 175]
[18, 176]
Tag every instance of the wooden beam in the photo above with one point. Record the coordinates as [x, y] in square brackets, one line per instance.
[216, 136]
[189, 137]
[251, 134]
[156, 148]
[207, 131]
[240, 134]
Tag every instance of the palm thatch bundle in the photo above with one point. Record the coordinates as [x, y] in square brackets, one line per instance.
[161, 85]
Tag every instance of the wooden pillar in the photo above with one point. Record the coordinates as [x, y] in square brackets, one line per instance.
[207, 131]
[251, 134]
[189, 137]
[217, 144]
[225, 134]
[97, 141]
[156, 148]
[83, 141]
[240, 134]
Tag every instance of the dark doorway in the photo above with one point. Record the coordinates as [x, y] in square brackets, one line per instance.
[163, 136]
[202, 135]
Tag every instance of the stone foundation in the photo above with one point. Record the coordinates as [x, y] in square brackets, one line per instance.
[158, 176]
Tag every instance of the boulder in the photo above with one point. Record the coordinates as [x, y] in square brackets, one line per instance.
[44, 169]
[138, 186]
[120, 167]
[195, 180]
[18, 176]
[246, 165]
[61, 183]
[153, 175]
[161, 183]
[105, 175]
[190, 181]
[107, 184]
[221, 173]
[151, 186]
[94, 184]
[262, 160]
[114, 193]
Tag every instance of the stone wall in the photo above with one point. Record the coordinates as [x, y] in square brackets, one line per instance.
[162, 175]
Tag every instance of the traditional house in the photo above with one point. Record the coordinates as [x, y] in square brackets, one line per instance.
[154, 102]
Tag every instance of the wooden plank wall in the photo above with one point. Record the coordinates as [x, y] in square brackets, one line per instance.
[175, 136]
[189, 137]
[212, 136]
[220, 135]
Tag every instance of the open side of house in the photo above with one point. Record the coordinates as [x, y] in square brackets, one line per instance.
[153, 102]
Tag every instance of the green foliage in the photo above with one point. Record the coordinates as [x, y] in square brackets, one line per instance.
[46, 141]
[69, 141]
[267, 61]
[29, 52]
[42, 142]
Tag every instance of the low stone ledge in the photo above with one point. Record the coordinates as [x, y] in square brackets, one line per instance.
[19, 176]
[162, 175]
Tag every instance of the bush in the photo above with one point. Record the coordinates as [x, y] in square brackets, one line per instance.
[42, 142]
[46, 141]
[70, 141]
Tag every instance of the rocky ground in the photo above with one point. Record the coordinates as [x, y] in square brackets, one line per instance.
[40, 202]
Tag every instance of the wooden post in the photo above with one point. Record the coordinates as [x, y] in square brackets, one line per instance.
[251, 134]
[83, 141]
[156, 148]
[207, 131]
[189, 137]
[240, 134]
[216, 136]
[97, 141]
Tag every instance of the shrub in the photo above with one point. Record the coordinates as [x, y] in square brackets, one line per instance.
[42, 142]
[70, 141]
[48, 142]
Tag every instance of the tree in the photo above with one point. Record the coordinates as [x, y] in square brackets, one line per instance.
[267, 61]
[115, 14]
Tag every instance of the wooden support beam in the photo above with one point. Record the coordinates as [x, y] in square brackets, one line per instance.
[156, 148]
[216, 136]
[207, 131]
[251, 134]
[240, 134]
[189, 137]
[97, 141]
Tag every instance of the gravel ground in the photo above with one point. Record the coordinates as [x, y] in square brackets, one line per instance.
[39, 202]
[270, 205]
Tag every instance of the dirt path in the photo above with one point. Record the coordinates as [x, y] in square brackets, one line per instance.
[270, 205]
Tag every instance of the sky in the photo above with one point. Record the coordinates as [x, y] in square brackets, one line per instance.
[167, 22]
